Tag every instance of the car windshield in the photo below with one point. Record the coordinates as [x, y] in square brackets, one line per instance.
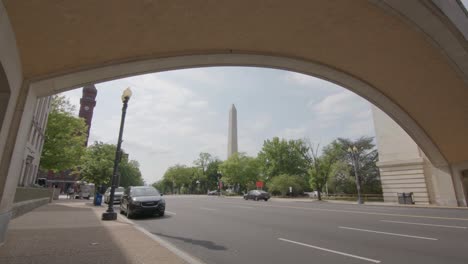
[144, 192]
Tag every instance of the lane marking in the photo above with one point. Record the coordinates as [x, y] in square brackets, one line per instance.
[208, 209]
[359, 212]
[169, 212]
[387, 233]
[329, 250]
[411, 223]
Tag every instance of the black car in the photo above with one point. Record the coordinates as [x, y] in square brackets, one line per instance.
[142, 200]
[257, 195]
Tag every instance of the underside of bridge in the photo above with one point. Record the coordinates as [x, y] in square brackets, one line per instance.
[409, 58]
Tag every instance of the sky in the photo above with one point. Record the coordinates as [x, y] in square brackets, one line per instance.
[173, 116]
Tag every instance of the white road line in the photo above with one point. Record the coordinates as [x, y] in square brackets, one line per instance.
[169, 212]
[410, 223]
[358, 212]
[329, 250]
[386, 233]
[208, 209]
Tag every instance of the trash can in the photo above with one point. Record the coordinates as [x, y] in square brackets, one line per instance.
[409, 198]
[401, 198]
[97, 199]
[405, 198]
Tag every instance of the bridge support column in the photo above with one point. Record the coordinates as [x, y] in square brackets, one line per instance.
[12, 98]
[10, 166]
[443, 186]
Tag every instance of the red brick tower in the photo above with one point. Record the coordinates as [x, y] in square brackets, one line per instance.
[87, 104]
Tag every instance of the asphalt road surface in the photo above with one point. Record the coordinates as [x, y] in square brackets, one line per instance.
[229, 230]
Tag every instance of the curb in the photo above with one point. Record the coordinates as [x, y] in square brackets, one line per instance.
[183, 255]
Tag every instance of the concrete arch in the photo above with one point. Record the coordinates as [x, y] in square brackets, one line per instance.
[356, 85]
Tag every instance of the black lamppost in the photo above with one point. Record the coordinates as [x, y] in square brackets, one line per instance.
[110, 214]
[354, 153]
[219, 182]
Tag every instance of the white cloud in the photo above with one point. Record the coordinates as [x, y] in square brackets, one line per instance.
[173, 116]
[293, 133]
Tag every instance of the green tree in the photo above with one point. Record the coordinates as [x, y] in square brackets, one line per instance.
[204, 159]
[98, 163]
[321, 167]
[212, 174]
[207, 174]
[283, 157]
[240, 170]
[97, 166]
[65, 137]
[344, 179]
[164, 186]
[180, 176]
[280, 184]
[130, 174]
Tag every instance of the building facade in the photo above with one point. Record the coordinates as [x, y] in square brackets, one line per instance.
[35, 143]
[404, 168]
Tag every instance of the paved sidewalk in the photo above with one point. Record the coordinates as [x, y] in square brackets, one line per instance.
[71, 231]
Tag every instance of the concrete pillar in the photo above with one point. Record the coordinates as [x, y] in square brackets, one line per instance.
[443, 186]
[11, 165]
[460, 182]
[11, 80]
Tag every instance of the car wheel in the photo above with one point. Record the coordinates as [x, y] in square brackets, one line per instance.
[256, 198]
[161, 213]
[266, 199]
[129, 213]
[121, 210]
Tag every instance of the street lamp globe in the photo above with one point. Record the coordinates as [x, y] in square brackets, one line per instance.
[355, 149]
[349, 149]
[127, 93]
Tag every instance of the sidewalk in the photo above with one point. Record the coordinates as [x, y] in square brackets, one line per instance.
[71, 231]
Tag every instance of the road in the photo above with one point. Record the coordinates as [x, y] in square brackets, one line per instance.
[229, 230]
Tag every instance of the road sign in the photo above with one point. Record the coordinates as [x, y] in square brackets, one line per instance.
[259, 184]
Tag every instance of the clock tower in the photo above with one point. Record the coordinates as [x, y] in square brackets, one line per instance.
[87, 104]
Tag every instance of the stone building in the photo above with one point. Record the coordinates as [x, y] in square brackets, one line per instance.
[404, 168]
[36, 137]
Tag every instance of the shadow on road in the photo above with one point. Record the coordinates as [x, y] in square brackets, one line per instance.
[203, 243]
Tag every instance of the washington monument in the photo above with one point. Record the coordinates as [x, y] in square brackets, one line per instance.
[232, 133]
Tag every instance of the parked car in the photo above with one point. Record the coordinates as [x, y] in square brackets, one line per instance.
[257, 195]
[142, 200]
[118, 193]
[215, 192]
[83, 190]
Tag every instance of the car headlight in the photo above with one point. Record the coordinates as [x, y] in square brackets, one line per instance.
[136, 202]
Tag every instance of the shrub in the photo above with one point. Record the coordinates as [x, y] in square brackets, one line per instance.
[280, 185]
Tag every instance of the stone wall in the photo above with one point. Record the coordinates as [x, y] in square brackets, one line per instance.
[26, 194]
[404, 177]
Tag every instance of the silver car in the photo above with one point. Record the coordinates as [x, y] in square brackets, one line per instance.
[118, 193]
